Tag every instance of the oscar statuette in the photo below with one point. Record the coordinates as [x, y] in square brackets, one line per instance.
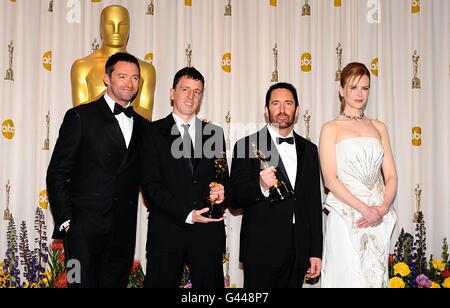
[150, 9]
[339, 52]
[416, 81]
[215, 209]
[418, 193]
[228, 9]
[306, 10]
[9, 71]
[46, 146]
[275, 59]
[307, 119]
[279, 191]
[188, 52]
[7, 213]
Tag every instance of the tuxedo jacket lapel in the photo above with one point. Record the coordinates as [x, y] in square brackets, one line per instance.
[300, 147]
[136, 132]
[112, 127]
[134, 138]
[282, 175]
[170, 130]
[199, 142]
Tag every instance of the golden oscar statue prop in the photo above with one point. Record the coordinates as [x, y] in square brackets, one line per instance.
[87, 73]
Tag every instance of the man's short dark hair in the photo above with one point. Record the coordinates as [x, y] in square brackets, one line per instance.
[282, 85]
[120, 57]
[188, 72]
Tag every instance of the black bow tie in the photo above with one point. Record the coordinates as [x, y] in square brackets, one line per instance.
[289, 140]
[118, 109]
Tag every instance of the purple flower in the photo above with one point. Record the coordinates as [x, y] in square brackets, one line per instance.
[423, 281]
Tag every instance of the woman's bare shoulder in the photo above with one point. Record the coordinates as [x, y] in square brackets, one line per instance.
[330, 128]
[379, 125]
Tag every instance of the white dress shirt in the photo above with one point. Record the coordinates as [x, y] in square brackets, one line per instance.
[125, 123]
[288, 154]
[179, 122]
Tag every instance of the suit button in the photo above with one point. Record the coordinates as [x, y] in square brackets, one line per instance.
[116, 199]
[195, 182]
[195, 203]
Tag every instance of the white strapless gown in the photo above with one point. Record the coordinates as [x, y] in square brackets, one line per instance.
[353, 257]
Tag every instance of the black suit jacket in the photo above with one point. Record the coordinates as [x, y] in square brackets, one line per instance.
[173, 191]
[93, 179]
[266, 229]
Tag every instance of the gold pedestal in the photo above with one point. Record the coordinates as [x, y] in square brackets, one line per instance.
[416, 83]
[9, 75]
[7, 215]
[275, 76]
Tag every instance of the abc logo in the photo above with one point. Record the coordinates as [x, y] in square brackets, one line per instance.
[337, 3]
[374, 67]
[47, 60]
[188, 2]
[273, 2]
[8, 129]
[226, 63]
[43, 200]
[149, 57]
[306, 62]
[415, 6]
[417, 136]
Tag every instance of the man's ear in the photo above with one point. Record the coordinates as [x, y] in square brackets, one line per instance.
[106, 79]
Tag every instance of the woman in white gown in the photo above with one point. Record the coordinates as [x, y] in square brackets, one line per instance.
[359, 170]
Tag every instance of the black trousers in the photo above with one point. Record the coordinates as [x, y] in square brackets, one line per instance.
[95, 262]
[164, 269]
[289, 275]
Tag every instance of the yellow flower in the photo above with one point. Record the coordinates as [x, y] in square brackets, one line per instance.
[402, 269]
[2, 276]
[446, 283]
[438, 264]
[396, 283]
[47, 277]
[435, 285]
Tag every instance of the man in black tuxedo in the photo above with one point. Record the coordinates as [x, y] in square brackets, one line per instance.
[281, 242]
[176, 185]
[94, 176]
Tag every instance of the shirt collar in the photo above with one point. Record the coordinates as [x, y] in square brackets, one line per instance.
[274, 134]
[179, 122]
[111, 102]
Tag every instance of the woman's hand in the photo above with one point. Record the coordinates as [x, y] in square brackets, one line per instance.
[372, 217]
[382, 209]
